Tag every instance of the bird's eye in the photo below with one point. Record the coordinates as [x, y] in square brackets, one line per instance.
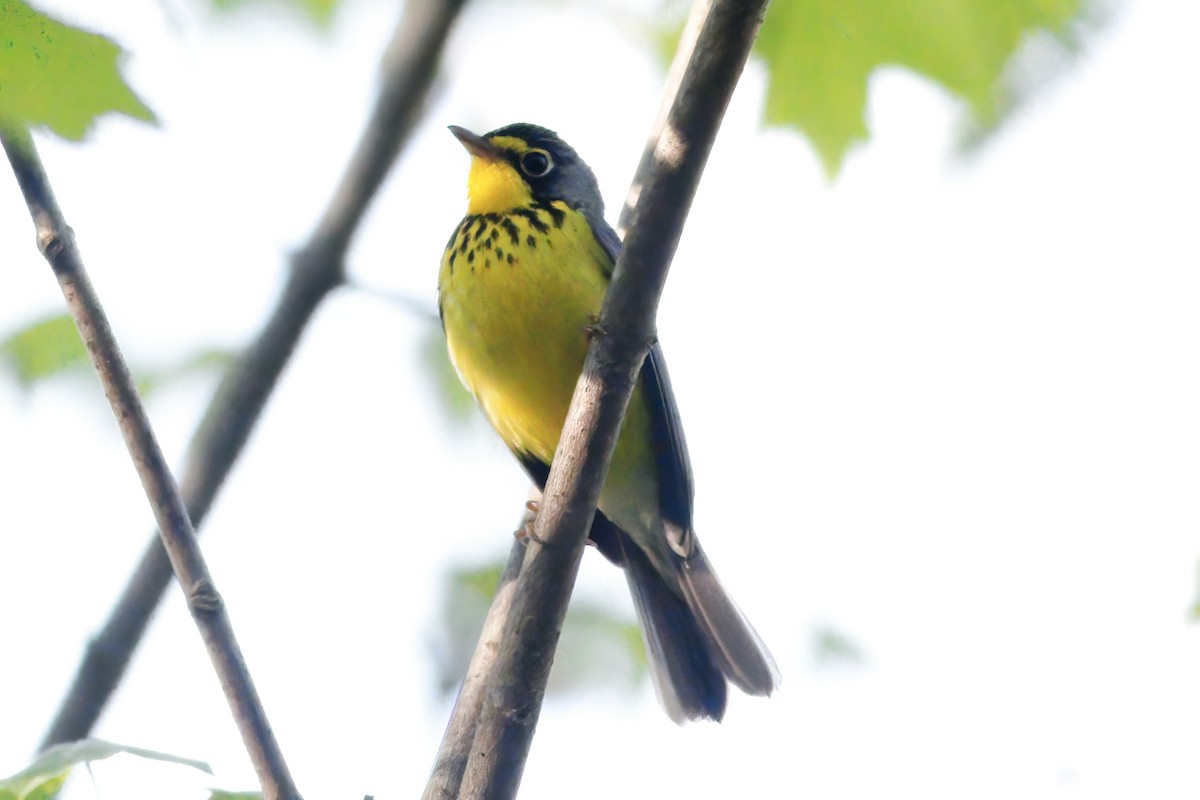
[536, 163]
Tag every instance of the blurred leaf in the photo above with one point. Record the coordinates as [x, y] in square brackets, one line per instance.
[449, 391]
[465, 600]
[57, 76]
[831, 648]
[43, 349]
[1195, 610]
[664, 33]
[51, 347]
[151, 380]
[35, 788]
[478, 582]
[1043, 57]
[220, 794]
[455, 399]
[45, 776]
[820, 54]
[319, 12]
[598, 647]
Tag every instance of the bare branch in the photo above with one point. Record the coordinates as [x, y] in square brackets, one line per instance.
[409, 66]
[665, 184]
[679, 62]
[57, 243]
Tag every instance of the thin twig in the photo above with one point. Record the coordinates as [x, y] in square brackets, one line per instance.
[409, 66]
[697, 13]
[669, 173]
[57, 243]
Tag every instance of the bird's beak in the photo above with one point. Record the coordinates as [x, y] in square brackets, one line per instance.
[476, 145]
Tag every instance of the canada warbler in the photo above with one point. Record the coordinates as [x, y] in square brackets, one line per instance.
[522, 276]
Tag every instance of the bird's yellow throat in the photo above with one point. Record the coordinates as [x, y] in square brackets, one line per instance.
[494, 185]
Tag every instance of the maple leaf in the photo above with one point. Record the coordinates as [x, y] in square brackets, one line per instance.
[59, 77]
[820, 54]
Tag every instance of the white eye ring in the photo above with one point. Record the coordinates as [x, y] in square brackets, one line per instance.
[536, 163]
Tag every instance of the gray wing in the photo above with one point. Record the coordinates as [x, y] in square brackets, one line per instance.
[732, 645]
[674, 466]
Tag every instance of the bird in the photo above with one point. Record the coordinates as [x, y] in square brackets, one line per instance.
[521, 282]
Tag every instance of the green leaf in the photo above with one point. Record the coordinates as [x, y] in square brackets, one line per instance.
[51, 347]
[35, 789]
[832, 647]
[1042, 58]
[48, 347]
[45, 776]
[820, 54]
[319, 12]
[221, 794]
[57, 76]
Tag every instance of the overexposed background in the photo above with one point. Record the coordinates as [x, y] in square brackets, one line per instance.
[945, 407]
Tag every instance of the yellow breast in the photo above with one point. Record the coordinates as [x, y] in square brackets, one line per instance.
[516, 291]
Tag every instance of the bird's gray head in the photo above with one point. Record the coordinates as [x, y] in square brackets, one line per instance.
[521, 162]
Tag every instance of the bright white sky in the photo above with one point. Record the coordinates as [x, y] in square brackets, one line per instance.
[947, 408]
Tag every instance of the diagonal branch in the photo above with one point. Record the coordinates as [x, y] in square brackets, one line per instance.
[408, 69]
[57, 243]
[663, 189]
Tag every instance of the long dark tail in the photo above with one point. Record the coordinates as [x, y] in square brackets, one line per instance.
[688, 684]
[733, 643]
[697, 641]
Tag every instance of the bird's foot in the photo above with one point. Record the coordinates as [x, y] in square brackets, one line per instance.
[593, 328]
[526, 533]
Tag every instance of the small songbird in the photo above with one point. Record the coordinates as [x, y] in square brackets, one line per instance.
[521, 279]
